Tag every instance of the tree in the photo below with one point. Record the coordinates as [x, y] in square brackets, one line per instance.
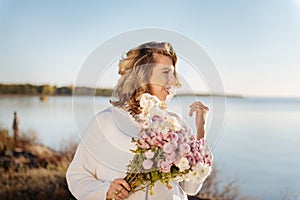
[47, 90]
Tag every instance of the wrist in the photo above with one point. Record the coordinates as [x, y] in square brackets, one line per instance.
[200, 133]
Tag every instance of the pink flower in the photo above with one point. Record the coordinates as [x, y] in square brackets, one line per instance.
[184, 148]
[192, 137]
[152, 134]
[173, 136]
[169, 147]
[145, 137]
[157, 118]
[157, 141]
[194, 145]
[191, 160]
[147, 164]
[145, 125]
[197, 155]
[143, 144]
[171, 158]
[180, 138]
[164, 166]
[209, 162]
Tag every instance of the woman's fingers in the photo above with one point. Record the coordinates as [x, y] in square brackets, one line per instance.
[201, 113]
[124, 184]
[200, 105]
[122, 193]
[197, 106]
[119, 190]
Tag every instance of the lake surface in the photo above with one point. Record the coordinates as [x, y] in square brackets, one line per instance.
[258, 146]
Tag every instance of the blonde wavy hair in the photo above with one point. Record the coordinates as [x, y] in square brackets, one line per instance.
[135, 69]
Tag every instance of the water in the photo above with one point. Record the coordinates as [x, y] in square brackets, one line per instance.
[258, 147]
[52, 120]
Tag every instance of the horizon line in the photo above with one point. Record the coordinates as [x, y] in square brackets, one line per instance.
[231, 95]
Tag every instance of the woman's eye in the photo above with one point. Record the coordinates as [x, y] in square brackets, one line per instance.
[166, 72]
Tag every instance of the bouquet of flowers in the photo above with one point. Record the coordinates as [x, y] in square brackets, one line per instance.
[165, 150]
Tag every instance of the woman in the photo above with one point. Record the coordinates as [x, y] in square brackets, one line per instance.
[99, 165]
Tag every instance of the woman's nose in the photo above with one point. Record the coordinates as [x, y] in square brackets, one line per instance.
[172, 79]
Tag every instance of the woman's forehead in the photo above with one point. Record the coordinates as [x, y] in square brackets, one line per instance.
[163, 59]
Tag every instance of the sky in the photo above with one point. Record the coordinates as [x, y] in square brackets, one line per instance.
[255, 45]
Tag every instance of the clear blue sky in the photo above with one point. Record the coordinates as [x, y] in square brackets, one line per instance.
[255, 45]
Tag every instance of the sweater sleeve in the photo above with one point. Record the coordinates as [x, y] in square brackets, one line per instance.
[81, 177]
[190, 188]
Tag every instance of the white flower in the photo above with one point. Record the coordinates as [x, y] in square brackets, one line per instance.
[148, 101]
[199, 173]
[149, 154]
[188, 176]
[173, 123]
[183, 164]
[178, 179]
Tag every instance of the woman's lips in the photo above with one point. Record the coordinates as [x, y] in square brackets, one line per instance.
[167, 89]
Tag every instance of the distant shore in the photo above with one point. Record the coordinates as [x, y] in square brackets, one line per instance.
[48, 90]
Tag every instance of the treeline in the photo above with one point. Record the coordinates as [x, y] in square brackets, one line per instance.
[48, 90]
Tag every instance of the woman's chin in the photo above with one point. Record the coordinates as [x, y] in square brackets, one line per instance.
[161, 97]
[166, 97]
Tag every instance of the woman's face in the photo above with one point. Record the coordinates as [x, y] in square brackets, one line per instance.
[162, 77]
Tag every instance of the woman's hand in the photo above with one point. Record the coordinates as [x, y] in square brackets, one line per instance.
[118, 190]
[201, 114]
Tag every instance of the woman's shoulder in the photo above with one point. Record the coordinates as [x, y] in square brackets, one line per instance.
[111, 111]
[118, 117]
[104, 112]
[108, 113]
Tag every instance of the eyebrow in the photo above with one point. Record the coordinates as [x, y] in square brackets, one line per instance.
[168, 68]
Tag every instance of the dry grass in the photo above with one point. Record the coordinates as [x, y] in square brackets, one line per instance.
[43, 181]
[37, 183]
